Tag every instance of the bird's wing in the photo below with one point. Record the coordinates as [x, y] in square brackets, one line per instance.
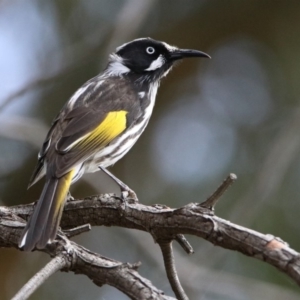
[39, 171]
[83, 137]
[99, 115]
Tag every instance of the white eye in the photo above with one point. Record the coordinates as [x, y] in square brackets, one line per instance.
[150, 50]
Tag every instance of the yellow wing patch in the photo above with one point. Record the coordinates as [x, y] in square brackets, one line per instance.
[110, 127]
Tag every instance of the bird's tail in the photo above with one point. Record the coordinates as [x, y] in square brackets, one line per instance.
[43, 224]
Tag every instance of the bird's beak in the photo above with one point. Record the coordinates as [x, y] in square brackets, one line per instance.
[184, 53]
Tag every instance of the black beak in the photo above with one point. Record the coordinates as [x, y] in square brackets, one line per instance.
[184, 53]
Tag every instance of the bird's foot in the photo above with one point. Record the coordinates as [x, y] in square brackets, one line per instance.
[128, 195]
[70, 197]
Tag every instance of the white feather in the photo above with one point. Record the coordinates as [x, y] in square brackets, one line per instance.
[73, 144]
[77, 95]
[142, 94]
[116, 66]
[22, 243]
[156, 64]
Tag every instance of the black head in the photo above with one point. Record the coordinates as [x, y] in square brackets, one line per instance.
[148, 57]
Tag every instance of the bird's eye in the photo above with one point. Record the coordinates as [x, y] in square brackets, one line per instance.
[150, 50]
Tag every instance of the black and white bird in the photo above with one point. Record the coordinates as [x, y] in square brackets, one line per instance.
[98, 126]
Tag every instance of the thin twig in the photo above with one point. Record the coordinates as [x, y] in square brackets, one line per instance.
[39, 278]
[184, 243]
[77, 230]
[212, 200]
[169, 261]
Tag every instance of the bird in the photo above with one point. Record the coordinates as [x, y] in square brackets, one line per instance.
[96, 127]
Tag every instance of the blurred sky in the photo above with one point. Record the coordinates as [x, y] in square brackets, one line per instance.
[238, 112]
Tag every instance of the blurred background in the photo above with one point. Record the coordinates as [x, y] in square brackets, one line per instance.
[238, 112]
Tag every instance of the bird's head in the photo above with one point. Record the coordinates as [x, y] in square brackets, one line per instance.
[148, 58]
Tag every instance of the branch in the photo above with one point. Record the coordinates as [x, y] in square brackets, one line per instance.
[184, 243]
[102, 270]
[164, 224]
[169, 261]
[56, 264]
[77, 230]
[211, 201]
[77, 259]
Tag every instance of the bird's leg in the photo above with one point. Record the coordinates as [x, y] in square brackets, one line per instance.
[70, 197]
[126, 191]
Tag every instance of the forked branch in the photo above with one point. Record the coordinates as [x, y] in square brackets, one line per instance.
[163, 223]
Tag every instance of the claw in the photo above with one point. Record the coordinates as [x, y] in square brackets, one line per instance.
[127, 194]
[70, 197]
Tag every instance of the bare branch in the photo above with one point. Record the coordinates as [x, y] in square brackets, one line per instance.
[77, 230]
[184, 243]
[56, 264]
[99, 269]
[164, 224]
[102, 270]
[212, 200]
[169, 261]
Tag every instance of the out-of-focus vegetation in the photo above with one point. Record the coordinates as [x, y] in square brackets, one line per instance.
[238, 112]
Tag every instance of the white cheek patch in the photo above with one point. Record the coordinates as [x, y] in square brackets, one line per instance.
[156, 64]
